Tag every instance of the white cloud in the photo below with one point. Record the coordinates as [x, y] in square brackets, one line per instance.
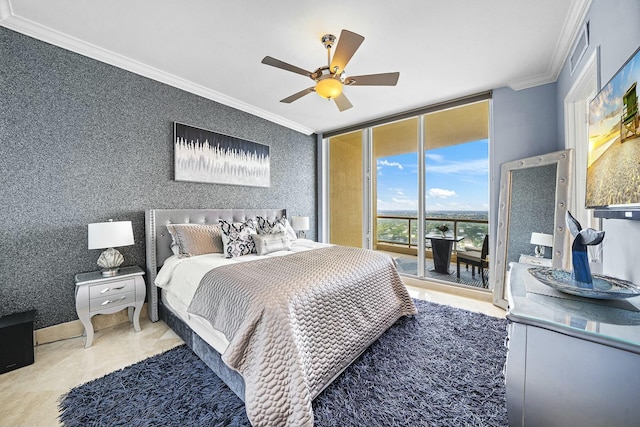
[398, 204]
[388, 163]
[471, 167]
[441, 193]
[434, 157]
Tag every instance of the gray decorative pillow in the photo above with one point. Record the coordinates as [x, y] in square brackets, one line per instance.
[272, 242]
[279, 225]
[237, 238]
[195, 239]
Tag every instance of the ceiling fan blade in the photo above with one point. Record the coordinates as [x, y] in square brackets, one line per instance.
[283, 65]
[342, 102]
[348, 43]
[384, 79]
[298, 95]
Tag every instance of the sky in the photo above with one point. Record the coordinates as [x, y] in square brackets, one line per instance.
[605, 109]
[457, 179]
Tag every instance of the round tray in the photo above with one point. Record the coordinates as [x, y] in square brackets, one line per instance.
[603, 287]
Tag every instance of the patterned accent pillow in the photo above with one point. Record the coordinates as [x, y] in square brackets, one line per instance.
[272, 242]
[279, 225]
[237, 238]
[195, 239]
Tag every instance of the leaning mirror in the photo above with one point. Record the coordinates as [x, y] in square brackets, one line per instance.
[532, 204]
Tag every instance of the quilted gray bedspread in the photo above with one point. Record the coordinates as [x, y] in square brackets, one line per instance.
[296, 322]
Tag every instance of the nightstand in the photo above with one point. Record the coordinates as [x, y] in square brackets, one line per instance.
[534, 260]
[96, 294]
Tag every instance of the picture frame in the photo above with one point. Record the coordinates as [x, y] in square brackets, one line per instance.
[201, 155]
[614, 134]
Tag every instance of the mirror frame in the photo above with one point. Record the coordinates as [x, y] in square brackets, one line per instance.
[564, 162]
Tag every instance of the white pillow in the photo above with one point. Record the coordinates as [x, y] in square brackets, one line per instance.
[290, 231]
[272, 242]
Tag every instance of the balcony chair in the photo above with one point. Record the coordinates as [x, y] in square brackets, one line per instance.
[475, 259]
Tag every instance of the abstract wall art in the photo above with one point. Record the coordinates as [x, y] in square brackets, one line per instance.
[205, 156]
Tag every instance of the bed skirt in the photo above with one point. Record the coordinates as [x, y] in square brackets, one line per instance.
[204, 351]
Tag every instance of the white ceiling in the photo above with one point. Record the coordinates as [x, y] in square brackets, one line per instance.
[442, 49]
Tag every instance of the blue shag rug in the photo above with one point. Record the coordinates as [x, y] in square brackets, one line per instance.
[442, 367]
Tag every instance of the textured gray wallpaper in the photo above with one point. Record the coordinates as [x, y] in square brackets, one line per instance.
[82, 141]
[533, 200]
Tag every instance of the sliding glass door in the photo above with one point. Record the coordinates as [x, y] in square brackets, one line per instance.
[456, 159]
[391, 187]
[395, 192]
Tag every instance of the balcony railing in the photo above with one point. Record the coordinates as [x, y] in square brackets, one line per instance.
[402, 231]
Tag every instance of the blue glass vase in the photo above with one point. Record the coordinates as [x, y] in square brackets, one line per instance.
[581, 239]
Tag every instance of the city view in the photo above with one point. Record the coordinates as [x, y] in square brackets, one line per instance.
[456, 194]
[401, 227]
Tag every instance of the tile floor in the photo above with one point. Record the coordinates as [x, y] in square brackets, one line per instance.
[29, 396]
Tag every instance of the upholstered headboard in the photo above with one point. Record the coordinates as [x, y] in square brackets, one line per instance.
[158, 239]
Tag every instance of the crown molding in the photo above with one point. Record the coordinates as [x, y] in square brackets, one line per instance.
[32, 29]
[529, 82]
[572, 26]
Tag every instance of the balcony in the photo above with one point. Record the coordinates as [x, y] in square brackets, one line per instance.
[398, 235]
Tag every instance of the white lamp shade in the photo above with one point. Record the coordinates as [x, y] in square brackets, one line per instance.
[300, 223]
[110, 234]
[542, 239]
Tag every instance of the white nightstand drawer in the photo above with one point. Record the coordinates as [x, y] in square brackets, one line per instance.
[112, 301]
[97, 294]
[102, 290]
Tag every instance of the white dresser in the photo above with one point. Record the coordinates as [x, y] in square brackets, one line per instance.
[571, 361]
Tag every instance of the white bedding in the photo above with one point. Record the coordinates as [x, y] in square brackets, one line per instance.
[179, 278]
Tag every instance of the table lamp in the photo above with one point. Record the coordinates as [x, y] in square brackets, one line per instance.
[108, 235]
[300, 224]
[541, 240]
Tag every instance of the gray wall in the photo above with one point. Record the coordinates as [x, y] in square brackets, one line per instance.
[82, 142]
[613, 25]
[524, 124]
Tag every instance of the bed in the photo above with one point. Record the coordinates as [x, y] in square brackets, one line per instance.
[276, 328]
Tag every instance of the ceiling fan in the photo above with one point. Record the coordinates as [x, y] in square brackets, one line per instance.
[331, 79]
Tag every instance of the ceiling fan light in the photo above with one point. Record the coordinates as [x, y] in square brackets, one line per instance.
[329, 88]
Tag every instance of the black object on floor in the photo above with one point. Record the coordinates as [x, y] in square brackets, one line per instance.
[16, 336]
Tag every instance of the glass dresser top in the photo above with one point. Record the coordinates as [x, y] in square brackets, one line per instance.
[610, 322]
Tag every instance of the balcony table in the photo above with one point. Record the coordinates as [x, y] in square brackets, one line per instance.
[441, 247]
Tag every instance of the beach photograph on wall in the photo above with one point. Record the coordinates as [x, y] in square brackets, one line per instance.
[613, 175]
[205, 156]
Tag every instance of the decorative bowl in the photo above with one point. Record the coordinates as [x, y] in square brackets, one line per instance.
[603, 287]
